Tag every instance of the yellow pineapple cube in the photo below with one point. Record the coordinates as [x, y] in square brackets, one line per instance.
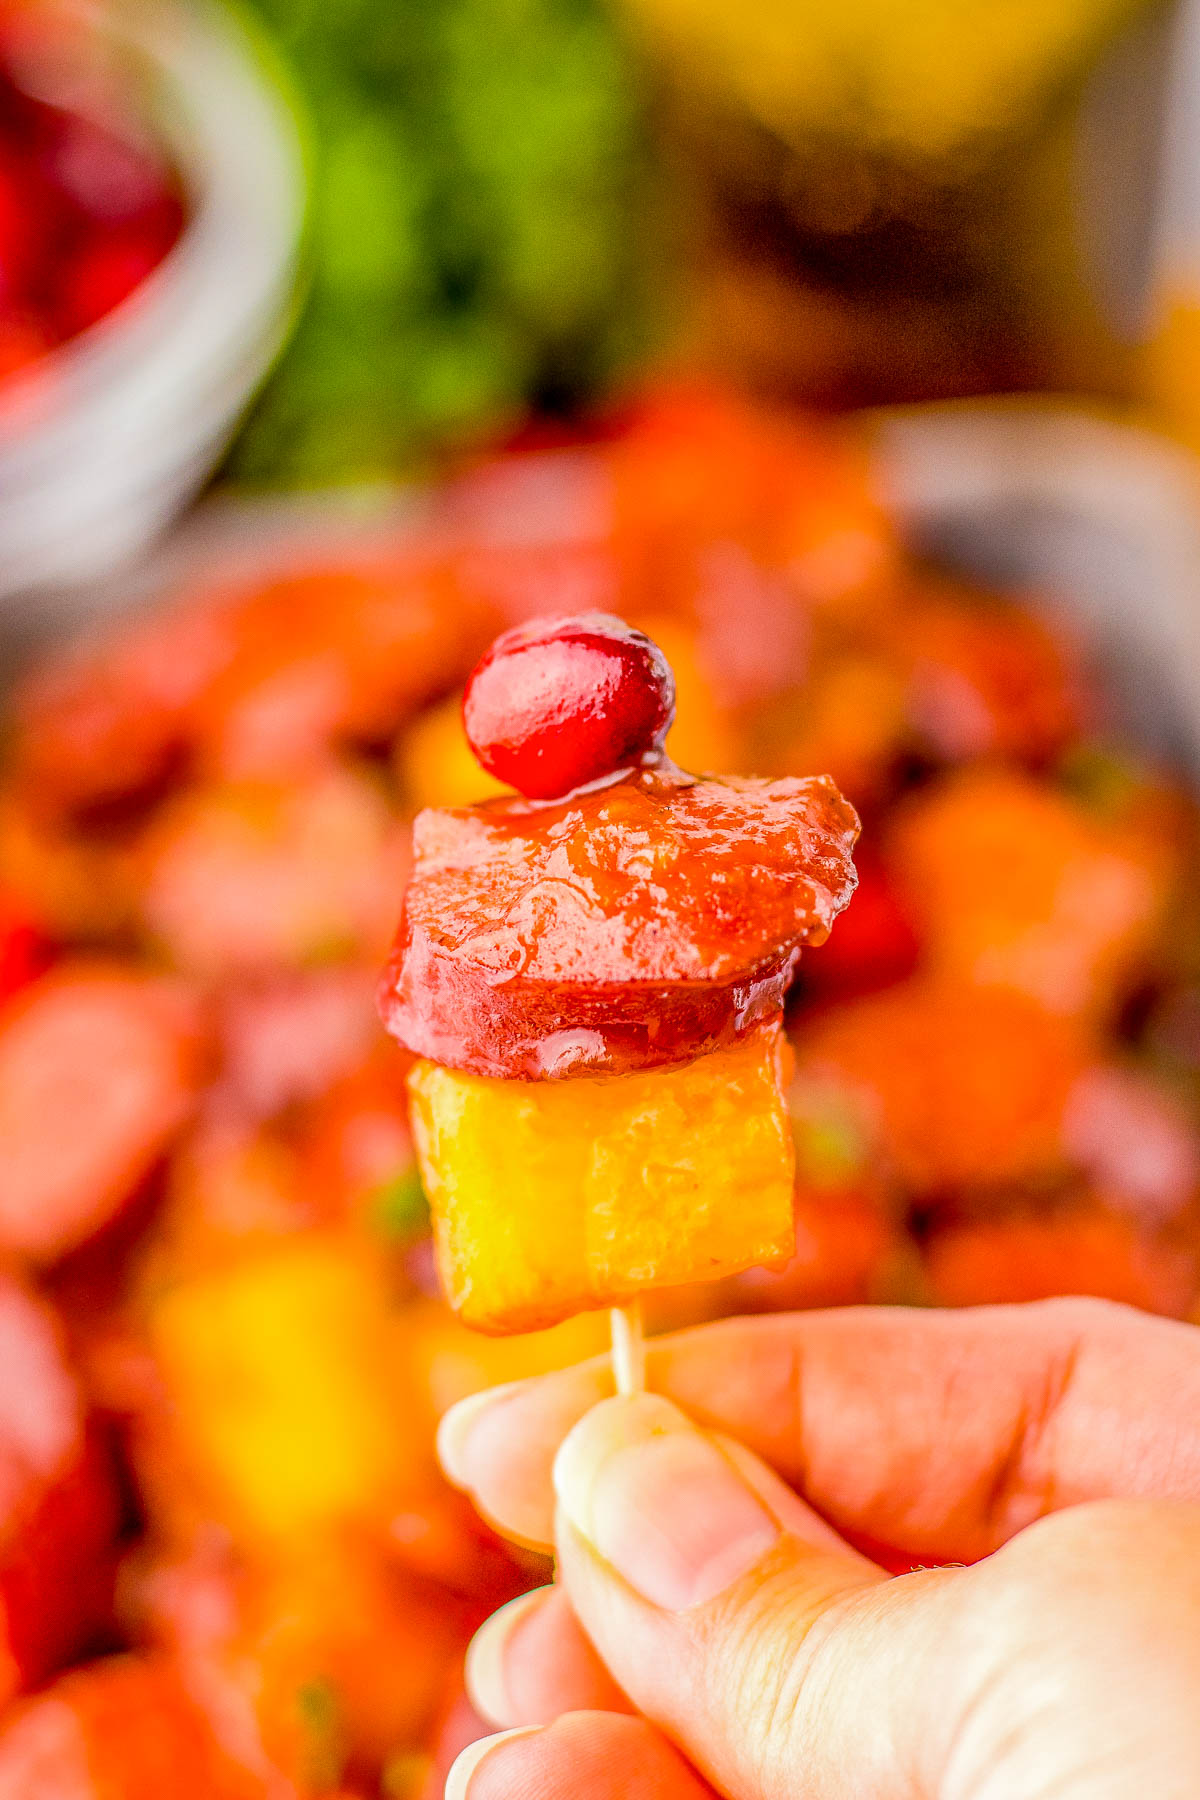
[278, 1371]
[553, 1197]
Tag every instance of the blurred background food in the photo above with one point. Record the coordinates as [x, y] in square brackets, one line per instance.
[221, 1281]
[152, 191]
[914, 201]
[91, 207]
[474, 237]
[463, 312]
[509, 206]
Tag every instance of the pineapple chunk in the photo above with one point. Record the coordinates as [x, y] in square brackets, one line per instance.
[278, 1372]
[553, 1197]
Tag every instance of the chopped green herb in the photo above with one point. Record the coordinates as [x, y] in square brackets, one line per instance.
[320, 1710]
[830, 1142]
[400, 1210]
[1106, 780]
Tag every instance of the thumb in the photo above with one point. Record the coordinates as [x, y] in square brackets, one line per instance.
[781, 1661]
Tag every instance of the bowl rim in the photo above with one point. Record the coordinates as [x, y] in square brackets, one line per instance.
[214, 312]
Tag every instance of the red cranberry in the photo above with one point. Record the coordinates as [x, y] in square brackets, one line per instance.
[111, 181]
[21, 234]
[106, 271]
[556, 703]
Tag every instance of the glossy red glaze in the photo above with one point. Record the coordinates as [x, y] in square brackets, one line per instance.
[557, 703]
[99, 1068]
[627, 927]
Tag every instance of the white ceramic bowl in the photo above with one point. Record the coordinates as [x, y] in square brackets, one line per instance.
[130, 417]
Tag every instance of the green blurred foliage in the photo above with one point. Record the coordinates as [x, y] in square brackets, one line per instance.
[474, 236]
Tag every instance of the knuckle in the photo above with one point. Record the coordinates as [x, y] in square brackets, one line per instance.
[1085, 1315]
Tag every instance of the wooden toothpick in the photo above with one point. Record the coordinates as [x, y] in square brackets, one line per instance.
[628, 1348]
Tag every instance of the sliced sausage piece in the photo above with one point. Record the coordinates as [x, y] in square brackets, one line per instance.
[98, 1069]
[248, 877]
[122, 1728]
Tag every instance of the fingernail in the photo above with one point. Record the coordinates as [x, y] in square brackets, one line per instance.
[487, 1686]
[659, 1501]
[458, 1781]
[456, 1426]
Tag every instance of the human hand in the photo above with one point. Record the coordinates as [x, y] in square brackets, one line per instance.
[747, 1635]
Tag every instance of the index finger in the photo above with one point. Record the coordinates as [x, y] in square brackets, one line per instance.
[929, 1436]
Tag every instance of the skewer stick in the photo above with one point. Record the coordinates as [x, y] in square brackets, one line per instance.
[628, 1348]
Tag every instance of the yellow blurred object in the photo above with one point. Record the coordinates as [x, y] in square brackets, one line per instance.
[278, 1371]
[553, 1197]
[436, 766]
[850, 721]
[1171, 366]
[704, 736]
[924, 81]
[454, 1362]
[1169, 320]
